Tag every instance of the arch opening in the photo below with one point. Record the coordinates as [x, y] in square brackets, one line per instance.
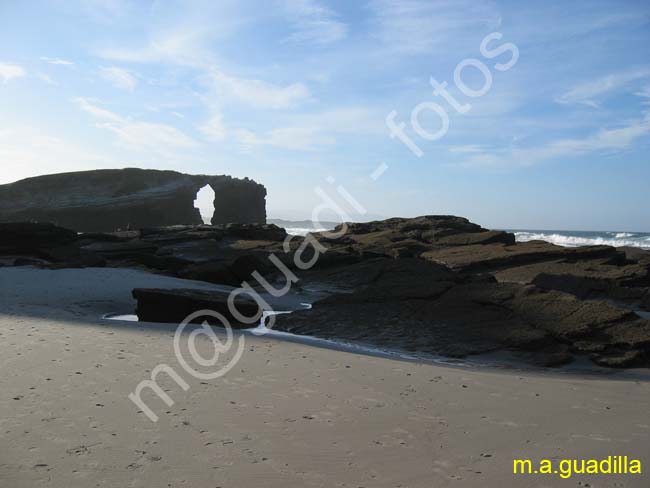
[204, 201]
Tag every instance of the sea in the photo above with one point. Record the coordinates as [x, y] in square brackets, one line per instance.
[566, 238]
[574, 238]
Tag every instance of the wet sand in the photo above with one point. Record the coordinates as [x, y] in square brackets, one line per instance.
[287, 414]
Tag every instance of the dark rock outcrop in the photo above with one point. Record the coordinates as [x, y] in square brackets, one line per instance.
[586, 272]
[33, 243]
[433, 284]
[174, 306]
[399, 237]
[223, 254]
[26, 236]
[113, 199]
[428, 308]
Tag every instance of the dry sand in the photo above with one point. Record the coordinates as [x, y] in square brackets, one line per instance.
[287, 415]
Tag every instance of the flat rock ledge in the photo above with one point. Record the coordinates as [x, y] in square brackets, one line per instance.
[435, 284]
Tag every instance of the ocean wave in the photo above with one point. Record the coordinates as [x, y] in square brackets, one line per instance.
[568, 240]
[301, 231]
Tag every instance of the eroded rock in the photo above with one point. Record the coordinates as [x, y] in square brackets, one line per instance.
[112, 199]
[428, 308]
[175, 305]
[434, 284]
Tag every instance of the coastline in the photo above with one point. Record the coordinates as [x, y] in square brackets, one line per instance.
[94, 294]
[286, 414]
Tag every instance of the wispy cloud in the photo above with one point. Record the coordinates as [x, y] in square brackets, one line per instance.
[188, 41]
[610, 139]
[10, 71]
[189, 45]
[344, 120]
[46, 78]
[293, 138]
[28, 151]
[588, 93]
[89, 106]
[417, 26]
[119, 78]
[644, 93]
[313, 23]
[183, 47]
[57, 61]
[304, 132]
[466, 149]
[258, 93]
[214, 129]
[161, 139]
[106, 10]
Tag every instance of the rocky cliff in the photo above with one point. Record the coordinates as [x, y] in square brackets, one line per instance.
[112, 199]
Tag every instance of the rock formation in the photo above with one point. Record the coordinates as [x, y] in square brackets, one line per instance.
[112, 199]
[173, 306]
[433, 285]
[424, 307]
[441, 284]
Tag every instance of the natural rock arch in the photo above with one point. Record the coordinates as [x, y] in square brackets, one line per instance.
[204, 201]
[108, 200]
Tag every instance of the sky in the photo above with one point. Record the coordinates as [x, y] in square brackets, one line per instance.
[544, 122]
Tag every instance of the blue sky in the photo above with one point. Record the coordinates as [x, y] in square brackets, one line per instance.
[291, 92]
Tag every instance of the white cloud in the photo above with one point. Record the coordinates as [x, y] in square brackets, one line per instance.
[57, 61]
[106, 11]
[586, 93]
[46, 78]
[149, 136]
[258, 93]
[183, 47]
[189, 46]
[348, 120]
[154, 137]
[466, 149]
[302, 132]
[187, 41]
[417, 26]
[88, 105]
[214, 129]
[604, 140]
[293, 138]
[26, 151]
[119, 78]
[644, 93]
[9, 71]
[313, 22]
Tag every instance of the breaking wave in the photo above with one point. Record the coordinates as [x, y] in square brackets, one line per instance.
[577, 238]
[301, 231]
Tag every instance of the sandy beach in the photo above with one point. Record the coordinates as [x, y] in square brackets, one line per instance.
[287, 415]
[324, 244]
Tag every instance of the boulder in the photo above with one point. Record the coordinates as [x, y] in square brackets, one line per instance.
[175, 305]
[228, 272]
[43, 241]
[260, 232]
[33, 235]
